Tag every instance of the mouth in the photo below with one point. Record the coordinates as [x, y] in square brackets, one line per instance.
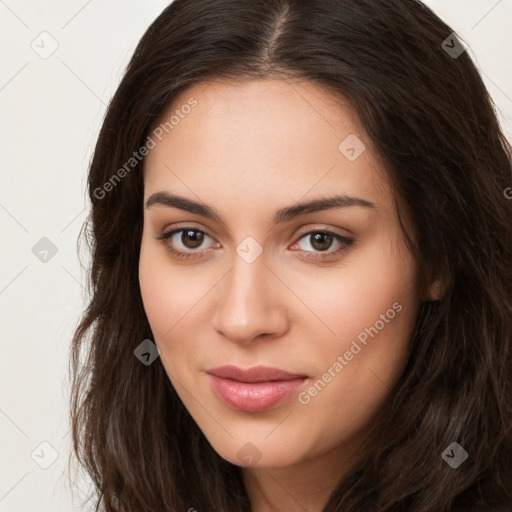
[256, 389]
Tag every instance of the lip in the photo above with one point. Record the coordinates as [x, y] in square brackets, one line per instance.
[254, 389]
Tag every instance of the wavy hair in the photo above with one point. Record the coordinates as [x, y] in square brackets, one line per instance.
[435, 126]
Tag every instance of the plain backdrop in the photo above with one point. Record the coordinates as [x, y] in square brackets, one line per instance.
[51, 110]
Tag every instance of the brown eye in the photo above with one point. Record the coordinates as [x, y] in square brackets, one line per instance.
[192, 238]
[186, 242]
[321, 241]
[323, 244]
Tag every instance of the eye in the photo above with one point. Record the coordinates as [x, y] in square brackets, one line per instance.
[320, 242]
[185, 242]
[190, 242]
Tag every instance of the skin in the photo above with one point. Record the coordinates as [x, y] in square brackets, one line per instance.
[247, 150]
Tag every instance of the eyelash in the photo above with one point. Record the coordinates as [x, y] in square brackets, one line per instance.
[345, 243]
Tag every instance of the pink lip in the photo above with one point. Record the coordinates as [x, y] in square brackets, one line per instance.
[254, 389]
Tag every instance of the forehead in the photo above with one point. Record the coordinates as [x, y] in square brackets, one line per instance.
[263, 138]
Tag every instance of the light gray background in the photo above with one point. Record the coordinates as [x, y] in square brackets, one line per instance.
[51, 113]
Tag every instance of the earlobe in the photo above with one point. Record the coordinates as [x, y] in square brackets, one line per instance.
[436, 290]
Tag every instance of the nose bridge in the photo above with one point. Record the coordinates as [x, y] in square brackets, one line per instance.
[249, 302]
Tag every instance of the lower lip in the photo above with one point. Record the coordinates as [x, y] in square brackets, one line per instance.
[255, 396]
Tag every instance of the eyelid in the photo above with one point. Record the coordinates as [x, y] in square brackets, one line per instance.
[320, 228]
[168, 233]
[330, 254]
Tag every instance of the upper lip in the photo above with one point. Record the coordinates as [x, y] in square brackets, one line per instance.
[254, 374]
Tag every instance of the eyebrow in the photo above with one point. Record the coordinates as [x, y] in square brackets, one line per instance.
[280, 216]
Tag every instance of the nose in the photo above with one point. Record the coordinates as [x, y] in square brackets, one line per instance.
[250, 303]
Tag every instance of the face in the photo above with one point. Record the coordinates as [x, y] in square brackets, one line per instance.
[281, 326]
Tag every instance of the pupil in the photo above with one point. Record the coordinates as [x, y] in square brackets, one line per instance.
[192, 239]
[319, 240]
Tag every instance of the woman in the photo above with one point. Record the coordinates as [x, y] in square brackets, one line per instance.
[301, 293]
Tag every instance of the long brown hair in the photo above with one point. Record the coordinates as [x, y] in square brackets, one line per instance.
[432, 121]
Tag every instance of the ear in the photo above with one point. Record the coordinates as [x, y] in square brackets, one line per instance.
[436, 290]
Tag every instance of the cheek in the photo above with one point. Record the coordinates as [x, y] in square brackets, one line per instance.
[165, 292]
[371, 307]
[355, 296]
[173, 298]
[356, 368]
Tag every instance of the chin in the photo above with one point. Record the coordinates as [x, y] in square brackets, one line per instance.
[258, 451]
